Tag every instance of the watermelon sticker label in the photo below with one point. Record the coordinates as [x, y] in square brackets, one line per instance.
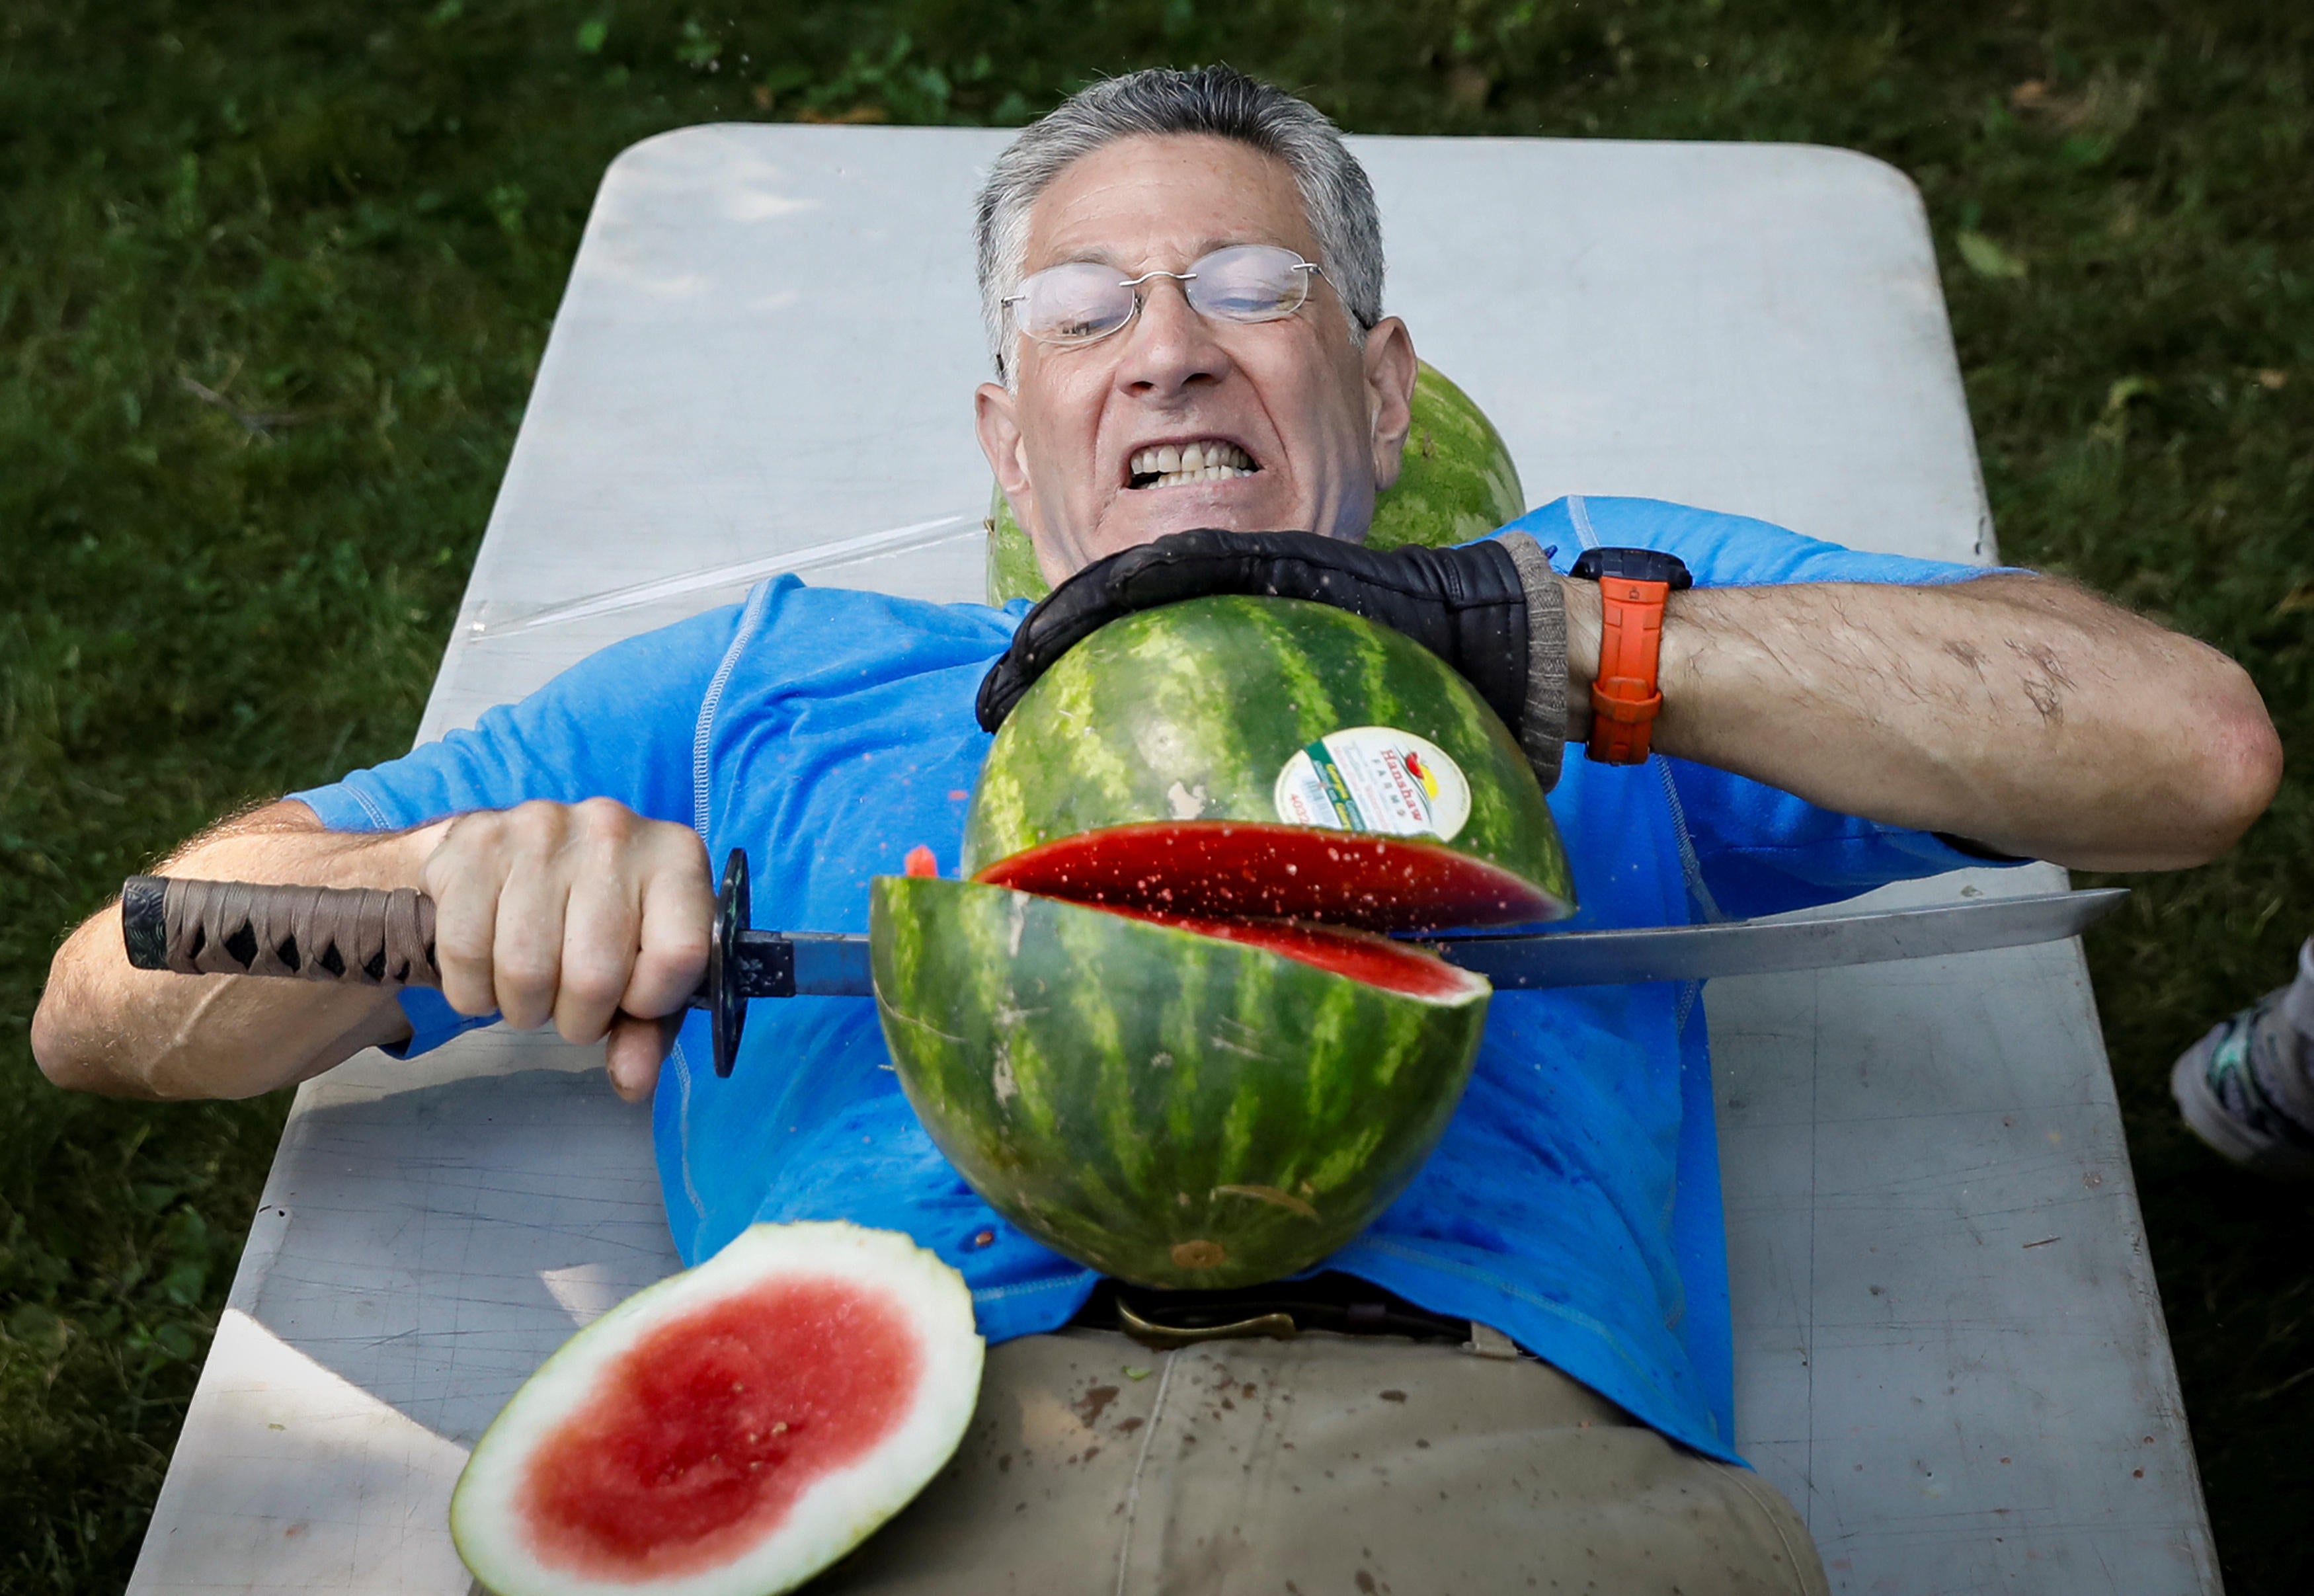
[1375, 778]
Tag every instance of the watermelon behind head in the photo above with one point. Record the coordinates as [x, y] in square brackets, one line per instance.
[1456, 482]
[730, 1430]
[1012, 570]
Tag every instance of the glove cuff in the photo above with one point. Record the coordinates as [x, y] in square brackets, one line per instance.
[1543, 728]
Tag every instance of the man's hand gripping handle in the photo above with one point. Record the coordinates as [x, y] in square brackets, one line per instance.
[365, 936]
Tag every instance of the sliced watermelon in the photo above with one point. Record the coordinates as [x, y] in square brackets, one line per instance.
[732, 1430]
[1153, 1028]
[1174, 1102]
[1268, 757]
[1223, 868]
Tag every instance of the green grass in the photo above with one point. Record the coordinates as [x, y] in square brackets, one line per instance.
[273, 281]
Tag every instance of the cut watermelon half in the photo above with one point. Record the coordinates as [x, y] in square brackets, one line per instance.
[1229, 870]
[730, 1430]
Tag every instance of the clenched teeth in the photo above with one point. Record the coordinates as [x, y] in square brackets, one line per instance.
[1208, 460]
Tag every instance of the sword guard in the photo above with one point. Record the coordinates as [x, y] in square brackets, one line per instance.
[727, 1010]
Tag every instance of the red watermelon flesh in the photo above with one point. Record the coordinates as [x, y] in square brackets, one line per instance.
[1226, 870]
[1374, 960]
[702, 1434]
[730, 1430]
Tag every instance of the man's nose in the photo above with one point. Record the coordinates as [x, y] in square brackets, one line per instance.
[1169, 346]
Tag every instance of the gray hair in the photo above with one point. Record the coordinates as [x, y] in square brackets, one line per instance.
[1216, 100]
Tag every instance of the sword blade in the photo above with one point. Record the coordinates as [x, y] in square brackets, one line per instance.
[1755, 947]
[837, 964]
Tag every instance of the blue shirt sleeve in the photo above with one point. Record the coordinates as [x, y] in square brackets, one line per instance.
[619, 724]
[1758, 849]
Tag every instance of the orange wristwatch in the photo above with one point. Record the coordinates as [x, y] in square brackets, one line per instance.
[1633, 585]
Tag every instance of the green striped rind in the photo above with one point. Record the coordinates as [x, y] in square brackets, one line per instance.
[1456, 481]
[1191, 711]
[1102, 1081]
[1012, 570]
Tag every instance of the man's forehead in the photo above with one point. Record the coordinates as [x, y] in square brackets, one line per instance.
[1174, 197]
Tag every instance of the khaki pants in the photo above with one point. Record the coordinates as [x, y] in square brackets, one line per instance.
[1327, 1466]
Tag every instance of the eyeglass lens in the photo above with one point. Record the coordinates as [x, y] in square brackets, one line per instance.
[1079, 301]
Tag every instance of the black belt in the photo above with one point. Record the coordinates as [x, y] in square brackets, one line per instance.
[1280, 1310]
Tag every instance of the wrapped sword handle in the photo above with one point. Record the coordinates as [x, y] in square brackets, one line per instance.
[372, 937]
[361, 936]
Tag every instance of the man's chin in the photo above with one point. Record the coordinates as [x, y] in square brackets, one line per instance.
[1142, 515]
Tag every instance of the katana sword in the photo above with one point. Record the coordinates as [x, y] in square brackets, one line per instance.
[386, 939]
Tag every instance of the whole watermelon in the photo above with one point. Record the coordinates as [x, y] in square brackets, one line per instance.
[1456, 481]
[1163, 761]
[1173, 1104]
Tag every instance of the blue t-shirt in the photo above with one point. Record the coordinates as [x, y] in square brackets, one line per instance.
[1573, 1201]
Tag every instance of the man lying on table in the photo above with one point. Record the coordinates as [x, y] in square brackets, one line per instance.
[1182, 276]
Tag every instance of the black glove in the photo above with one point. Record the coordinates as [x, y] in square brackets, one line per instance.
[1466, 606]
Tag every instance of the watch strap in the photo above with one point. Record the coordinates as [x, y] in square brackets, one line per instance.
[1634, 586]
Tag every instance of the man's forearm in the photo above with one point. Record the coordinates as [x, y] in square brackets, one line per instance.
[106, 1027]
[2018, 711]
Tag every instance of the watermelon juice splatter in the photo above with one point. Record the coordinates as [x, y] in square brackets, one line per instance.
[708, 1430]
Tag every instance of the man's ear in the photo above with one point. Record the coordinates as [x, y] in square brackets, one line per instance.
[1389, 368]
[997, 421]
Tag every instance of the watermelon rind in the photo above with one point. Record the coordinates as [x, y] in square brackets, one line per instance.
[1012, 568]
[1190, 712]
[1170, 1108]
[834, 1514]
[1456, 482]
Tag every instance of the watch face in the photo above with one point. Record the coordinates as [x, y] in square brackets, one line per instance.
[1633, 564]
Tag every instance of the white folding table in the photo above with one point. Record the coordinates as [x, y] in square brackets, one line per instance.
[1949, 1348]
